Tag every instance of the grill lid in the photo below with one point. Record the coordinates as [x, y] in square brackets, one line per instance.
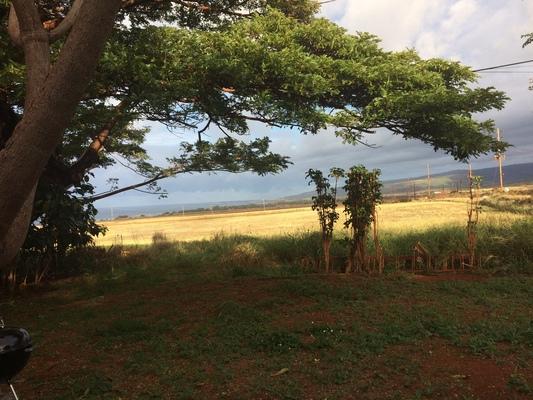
[13, 339]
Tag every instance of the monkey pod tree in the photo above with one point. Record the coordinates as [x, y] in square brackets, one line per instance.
[75, 77]
[363, 193]
[45, 98]
[325, 204]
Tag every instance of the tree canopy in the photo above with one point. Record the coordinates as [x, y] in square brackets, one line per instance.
[268, 67]
[193, 65]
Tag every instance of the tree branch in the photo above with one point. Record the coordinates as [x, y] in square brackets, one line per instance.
[64, 26]
[90, 157]
[13, 28]
[66, 175]
[166, 174]
[131, 187]
[268, 121]
[147, 192]
[25, 20]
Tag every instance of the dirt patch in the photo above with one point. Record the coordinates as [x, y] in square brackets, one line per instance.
[483, 378]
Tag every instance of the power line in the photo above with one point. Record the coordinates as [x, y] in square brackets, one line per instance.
[507, 72]
[502, 66]
[517, 67]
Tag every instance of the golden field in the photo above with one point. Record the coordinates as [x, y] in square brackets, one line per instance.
[416, 215]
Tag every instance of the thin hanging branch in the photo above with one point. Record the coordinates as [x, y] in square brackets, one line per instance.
[130, 187]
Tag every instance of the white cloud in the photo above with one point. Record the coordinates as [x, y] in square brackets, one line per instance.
[459, 14]
[396, 22]
[477, 31]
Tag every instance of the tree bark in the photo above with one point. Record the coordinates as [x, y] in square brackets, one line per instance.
[326, 247]
[8, 121]
[53, 93]
[10, 247]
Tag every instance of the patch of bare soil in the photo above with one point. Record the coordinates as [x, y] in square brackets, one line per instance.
[435, 369]
[483, 378]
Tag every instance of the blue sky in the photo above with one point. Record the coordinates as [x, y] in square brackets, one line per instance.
[479, 33]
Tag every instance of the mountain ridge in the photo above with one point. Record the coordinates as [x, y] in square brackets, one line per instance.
[456, 179]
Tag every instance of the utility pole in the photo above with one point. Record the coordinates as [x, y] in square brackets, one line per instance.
[414, 189]
[429, 182]
[499, 157]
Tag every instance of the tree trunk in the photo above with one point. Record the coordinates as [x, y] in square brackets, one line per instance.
[326, 247]
[360, 255]
[350, 265]
[17, 233]
[51, 101]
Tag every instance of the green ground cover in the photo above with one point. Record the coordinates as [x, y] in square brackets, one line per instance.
[240, 318]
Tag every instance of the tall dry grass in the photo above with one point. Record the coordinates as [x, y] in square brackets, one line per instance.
[396, 218]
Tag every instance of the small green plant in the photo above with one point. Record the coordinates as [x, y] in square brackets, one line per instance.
[61, 222]
[325, 204]
[243, 258]
[363, 193]
[520, 384]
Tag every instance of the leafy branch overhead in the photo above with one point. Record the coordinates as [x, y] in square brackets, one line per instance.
[276, 70]
[267, 67]
[224, 155]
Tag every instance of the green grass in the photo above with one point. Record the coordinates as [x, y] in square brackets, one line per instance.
[279, 329]
[219, 318]
[503, 246]
[518, 204]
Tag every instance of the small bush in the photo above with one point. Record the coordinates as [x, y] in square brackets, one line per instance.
[243, 255]
[160, 240]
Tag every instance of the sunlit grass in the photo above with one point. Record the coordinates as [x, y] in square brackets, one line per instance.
[397, 217]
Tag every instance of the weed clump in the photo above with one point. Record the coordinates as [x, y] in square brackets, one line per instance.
[160, 241]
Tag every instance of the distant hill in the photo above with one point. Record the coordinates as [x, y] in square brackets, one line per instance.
[451, 180]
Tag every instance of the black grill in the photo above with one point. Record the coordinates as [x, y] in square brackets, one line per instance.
[15, 350]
